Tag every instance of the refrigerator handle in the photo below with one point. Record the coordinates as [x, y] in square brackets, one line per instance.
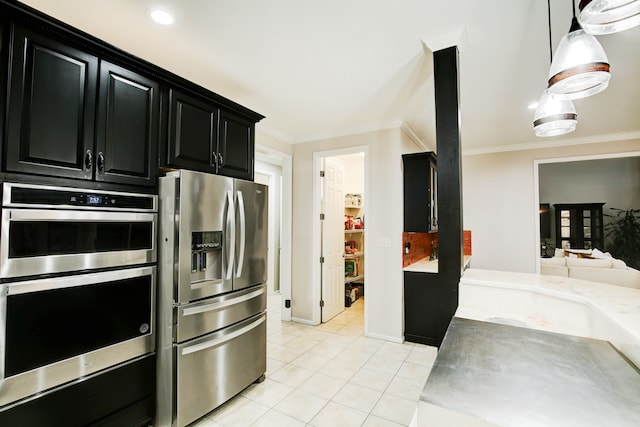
[216, 341]
[243, 232]
[231, 229]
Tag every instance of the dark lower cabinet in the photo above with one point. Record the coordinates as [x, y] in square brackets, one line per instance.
[52, 99]
[121, 397]
[428, 308]
[127, 127]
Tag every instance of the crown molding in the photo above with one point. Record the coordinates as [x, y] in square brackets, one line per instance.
[274, 133]
[353, 131]
[416, 137]
[623, 136]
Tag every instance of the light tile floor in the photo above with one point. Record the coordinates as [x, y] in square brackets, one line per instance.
[329, 375]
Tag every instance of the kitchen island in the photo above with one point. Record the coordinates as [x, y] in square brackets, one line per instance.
[516, 313]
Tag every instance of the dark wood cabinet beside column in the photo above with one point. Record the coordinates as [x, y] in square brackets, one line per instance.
[236, 146]
[127, 127]
[420, 199]
[51, 113]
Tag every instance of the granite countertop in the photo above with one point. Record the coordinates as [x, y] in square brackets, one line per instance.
[427, 266]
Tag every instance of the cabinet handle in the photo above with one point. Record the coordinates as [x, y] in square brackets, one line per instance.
[88, 161]
[221, 160]
[100, 162]
[214, 159]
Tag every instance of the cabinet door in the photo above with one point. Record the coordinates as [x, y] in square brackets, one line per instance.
[236, 146]
[127, 127]
[51, 107]
[192, 132]
[426, 308]
[419, 198]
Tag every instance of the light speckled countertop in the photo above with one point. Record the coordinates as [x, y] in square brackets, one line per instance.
[556, 304]
[426, 266]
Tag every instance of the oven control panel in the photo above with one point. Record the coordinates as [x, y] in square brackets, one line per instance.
[59, 197]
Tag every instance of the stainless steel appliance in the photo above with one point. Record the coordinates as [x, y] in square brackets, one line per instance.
[212, 295]
[77, 291]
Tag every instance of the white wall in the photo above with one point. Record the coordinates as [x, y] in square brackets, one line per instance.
[499, 202]
[384, 302]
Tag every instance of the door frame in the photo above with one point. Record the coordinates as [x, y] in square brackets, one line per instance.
[316, 285]
[269, 155]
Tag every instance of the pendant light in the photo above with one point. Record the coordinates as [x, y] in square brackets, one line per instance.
[608, 16]
[553, 116]
[580, 67]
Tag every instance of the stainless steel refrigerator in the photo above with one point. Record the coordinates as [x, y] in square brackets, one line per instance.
[211, 293]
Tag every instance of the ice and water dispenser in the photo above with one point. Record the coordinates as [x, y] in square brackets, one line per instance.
[206, 256]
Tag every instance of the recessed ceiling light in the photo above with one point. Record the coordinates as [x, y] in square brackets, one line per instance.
[533, 105]
[161, 17]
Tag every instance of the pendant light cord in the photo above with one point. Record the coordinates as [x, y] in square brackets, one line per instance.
[549, 17]
[573, 4]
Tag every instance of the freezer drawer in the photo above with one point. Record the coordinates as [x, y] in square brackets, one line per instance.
[209, 315]
[216, 367]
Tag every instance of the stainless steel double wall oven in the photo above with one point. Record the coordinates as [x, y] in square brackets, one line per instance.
[77, 290]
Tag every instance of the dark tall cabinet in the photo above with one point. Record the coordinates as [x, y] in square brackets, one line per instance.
[73, 116]
[579, 225]
[420, 177]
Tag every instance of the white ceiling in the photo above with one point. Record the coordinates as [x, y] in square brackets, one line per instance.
[318, 69]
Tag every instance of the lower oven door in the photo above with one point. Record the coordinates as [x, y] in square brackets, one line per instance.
[216, 367]
[53, 331]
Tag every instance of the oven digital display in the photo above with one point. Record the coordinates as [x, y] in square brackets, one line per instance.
[92, 199]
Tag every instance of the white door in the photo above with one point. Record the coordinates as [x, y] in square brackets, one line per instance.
[332, 239]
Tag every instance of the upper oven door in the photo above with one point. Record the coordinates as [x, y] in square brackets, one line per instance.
[45, 241]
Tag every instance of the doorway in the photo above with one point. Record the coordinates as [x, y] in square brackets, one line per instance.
[342, 201]
[274, 169]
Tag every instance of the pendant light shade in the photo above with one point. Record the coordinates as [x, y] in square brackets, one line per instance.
[580, 68]
[554, 116]
[608, 16]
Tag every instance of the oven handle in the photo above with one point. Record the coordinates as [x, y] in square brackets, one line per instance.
[243, 232]
[37, 285]
[231, 229]
[223, 339]
[222, 304]
[62, 215]
[3, 328]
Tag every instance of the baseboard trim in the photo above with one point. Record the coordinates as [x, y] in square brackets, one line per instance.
[397, 340]
[305, 321]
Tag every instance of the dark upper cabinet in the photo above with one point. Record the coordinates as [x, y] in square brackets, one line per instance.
[207, 138]
[420, 176]
[236, 146]
[193, 128]
[73, 116]
[127, 127]
[50, 127]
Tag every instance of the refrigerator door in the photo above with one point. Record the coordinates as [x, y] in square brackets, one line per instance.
[251, 211]
[206, 236]
[213, 368]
